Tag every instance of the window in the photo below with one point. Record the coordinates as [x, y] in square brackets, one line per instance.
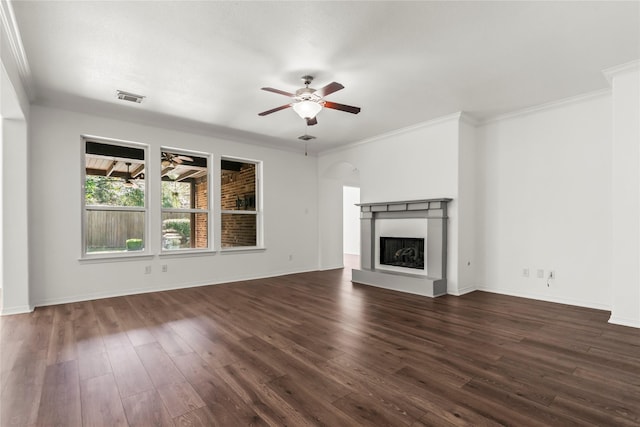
[240, 203]
[185, 200]
[114, 198]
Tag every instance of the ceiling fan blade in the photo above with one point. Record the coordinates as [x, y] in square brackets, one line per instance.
[312, 121]
[342, 107]
[278, 91]
[282, 107]
[181, 157]
[328, 89]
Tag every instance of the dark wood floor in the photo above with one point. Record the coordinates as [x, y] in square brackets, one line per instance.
[314, 349]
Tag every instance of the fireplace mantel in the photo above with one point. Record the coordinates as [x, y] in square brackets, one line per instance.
[434, 213]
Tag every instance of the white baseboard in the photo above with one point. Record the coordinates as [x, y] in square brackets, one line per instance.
[336, 267]
[634, 323]
[135, 291]
[462, 291]
[20, 309]
[558, 300]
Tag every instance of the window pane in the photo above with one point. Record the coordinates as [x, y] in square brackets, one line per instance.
[109, 231]
[114, 175]
[176, 195]
[185, 230]
[184, 186]
[110, 191]
[238, 186]
[184, 181]
[238, 230]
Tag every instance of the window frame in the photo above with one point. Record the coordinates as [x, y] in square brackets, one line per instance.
[146, 251]
[208, 211]
[258, 212]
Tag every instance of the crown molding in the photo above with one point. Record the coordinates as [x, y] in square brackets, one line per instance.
[610, 73]
[548, 106]
[469, 119]
[17, 49]
[443, 119]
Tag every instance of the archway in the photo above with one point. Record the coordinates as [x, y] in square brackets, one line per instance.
[333, 181]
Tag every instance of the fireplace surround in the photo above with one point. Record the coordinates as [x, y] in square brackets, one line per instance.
[408, 270]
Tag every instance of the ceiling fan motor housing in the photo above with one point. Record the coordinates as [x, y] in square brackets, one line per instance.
[307, 94]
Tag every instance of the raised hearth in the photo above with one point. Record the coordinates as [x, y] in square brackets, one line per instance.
[414, 262]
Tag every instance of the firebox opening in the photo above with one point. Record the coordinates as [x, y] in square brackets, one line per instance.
[405, 252]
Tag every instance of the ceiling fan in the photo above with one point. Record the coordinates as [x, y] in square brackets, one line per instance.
[169, 160]
[308, 102]
[129, 181]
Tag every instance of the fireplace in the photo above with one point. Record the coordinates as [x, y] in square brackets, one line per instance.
[404, 246]
[407, 252]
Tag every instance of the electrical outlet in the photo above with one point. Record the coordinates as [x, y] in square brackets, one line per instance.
[164, 268]
[540, 273]
[147, 269]
[525, 272]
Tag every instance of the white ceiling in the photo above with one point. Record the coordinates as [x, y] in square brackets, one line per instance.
[201, 64]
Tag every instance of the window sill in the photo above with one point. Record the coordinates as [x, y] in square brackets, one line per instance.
[114, 258]
[243, 249]
[186, 253]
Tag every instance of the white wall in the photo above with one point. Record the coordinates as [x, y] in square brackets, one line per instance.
[1, 206]
[625, 197]
[57, 275]
[543, 198]
[467, 165]
[351, 220]
[416, 163]
[15, 217]
[14, 109]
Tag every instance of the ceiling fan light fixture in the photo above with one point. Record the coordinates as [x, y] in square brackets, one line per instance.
[307, 109]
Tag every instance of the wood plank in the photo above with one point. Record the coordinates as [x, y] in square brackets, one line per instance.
[146, 409]
[316, 407]
[368, 413]
[224, 405]
[101, 404]
[201, 417]
[260, 398]
[60, 401]
[131, 322]
[159, 366]
[22, 392]
[180, 398]
[214, 353]
[86, 329]
[128, 371]
[194, 368]
[93, 365]
[62, 345]
[113, 333]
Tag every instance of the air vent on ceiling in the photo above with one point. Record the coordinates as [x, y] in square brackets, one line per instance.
[128, 96]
